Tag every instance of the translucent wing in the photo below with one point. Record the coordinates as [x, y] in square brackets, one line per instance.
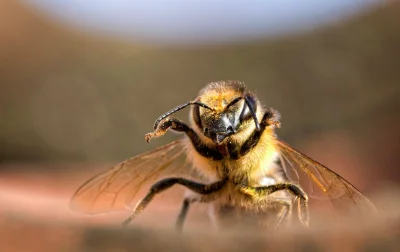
[118, 188]
[323, 181]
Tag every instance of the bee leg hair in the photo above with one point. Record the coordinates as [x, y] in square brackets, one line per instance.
[302, 198]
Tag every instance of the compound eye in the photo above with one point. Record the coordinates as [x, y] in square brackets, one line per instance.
[246, 113]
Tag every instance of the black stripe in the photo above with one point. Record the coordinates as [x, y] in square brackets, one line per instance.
[252, 141]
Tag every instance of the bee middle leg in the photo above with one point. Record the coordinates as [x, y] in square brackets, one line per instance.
[302, 198]
[186, 206]
[183, 213]
[164, 184]
[284, 213]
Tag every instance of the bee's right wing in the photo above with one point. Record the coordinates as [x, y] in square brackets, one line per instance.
[323, 181]
[118, 188]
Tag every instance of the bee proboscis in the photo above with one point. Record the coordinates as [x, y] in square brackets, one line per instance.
[234, 162]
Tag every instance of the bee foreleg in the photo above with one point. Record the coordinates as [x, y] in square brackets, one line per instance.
[271, 117]
[169, 123]
[179, 126]
[164, 184]
[260, 192]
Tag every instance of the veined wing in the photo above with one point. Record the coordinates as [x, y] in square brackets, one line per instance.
[324, 181]
[119, 187]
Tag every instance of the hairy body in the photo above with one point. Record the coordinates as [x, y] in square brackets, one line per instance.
[247, 158]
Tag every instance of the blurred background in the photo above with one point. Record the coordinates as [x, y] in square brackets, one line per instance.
[83, 81]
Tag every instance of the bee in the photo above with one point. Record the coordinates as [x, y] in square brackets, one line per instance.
[234, 162]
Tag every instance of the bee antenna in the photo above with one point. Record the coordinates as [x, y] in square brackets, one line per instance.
[253, 112]
[177, 108]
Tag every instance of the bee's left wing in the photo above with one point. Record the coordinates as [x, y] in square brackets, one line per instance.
[342, 194]
[123, 184]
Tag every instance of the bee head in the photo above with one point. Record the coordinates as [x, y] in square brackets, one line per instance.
[231, 108]
[222, 109]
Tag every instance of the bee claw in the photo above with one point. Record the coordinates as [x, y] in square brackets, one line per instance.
[126, 222]
[148, 137]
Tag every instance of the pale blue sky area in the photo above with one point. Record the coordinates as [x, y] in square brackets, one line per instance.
[199, 20]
